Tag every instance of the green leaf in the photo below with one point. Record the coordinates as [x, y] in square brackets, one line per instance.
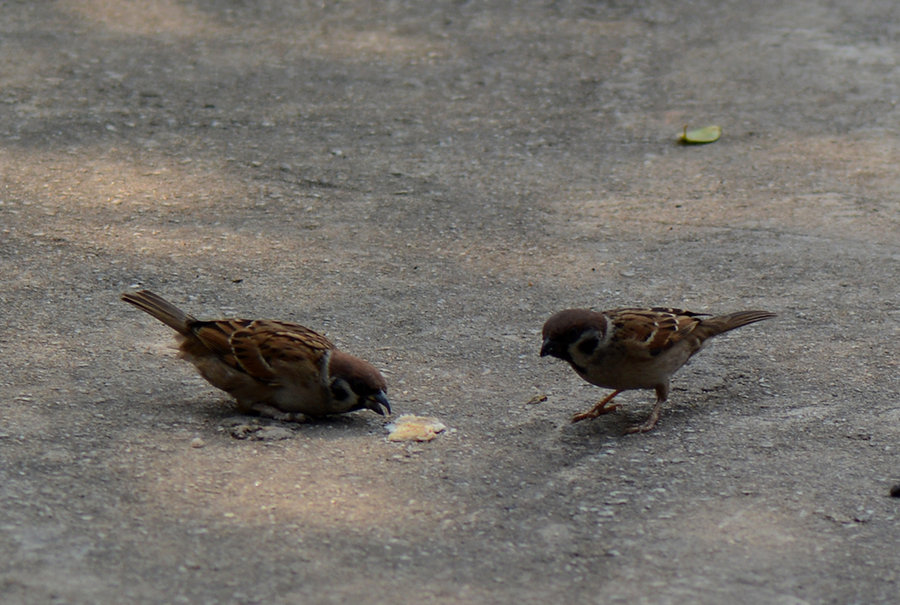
[700, 136]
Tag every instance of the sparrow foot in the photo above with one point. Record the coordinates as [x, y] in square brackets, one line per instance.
[599, 409]
[270, 412]
[648, 424]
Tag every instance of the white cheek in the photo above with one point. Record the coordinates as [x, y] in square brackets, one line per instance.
[325, 368]
[606, 336]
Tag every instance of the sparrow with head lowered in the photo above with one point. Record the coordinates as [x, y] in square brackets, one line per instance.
[624, 349]
[274, 368]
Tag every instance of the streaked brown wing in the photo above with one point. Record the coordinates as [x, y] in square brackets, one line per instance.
[260, 347]
[649, 332]
[216, 335]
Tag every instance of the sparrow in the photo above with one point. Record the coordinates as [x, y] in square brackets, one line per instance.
[633, 348]
[274, 368]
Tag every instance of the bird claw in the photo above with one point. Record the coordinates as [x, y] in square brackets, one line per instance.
[599, 409]
[271, 412]
[595, 412]
[647, 424]
[640, 428]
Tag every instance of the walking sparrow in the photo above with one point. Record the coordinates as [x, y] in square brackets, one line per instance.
[624, 349]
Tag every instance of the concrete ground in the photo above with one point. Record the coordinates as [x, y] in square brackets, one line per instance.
[427, 182]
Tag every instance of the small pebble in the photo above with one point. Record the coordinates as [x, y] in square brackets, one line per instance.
[895, 491]
[241, 431]
[197, 442]
[272, 433]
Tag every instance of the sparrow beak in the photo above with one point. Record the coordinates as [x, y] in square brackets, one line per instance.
[379, 400]
[546, 348]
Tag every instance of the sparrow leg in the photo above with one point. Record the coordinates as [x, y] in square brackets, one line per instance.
[662, 393]
[599, 409]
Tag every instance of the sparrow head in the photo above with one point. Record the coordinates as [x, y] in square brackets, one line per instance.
[580, 327]
[356, 383]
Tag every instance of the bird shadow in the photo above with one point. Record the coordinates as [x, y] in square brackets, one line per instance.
[223, 416]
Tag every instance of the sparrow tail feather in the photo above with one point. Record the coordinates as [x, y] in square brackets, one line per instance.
[161, 309]
[725, 323]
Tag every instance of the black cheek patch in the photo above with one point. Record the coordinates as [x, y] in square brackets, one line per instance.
[588, 346]
[339, 391]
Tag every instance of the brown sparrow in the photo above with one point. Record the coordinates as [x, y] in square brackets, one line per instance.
[274, 368]
[624, 349]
